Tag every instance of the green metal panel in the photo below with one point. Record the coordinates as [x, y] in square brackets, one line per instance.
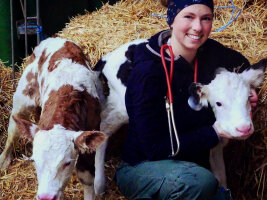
[5, 49]
[5, 35]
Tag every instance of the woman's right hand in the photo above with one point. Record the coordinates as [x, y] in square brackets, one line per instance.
[253, 98]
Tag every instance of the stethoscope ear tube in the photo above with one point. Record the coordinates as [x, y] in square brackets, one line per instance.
[169, 100]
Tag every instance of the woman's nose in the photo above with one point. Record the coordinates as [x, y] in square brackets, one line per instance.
[197, 25]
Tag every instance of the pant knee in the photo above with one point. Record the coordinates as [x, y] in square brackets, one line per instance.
[197, 183]
[203, 184]
[185, 181]
[208, 184]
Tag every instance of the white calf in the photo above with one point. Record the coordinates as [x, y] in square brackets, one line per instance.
[228, 94]
[59, 82]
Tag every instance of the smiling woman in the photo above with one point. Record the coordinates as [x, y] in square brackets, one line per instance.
[190, 29]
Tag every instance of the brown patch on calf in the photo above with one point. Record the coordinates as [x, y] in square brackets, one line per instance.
[42, 60]
[32, 88]
[24, 119]
[42, 83]
[24, 127]
[31, 113]
[70, 51]
[73, 109]
[30, 60]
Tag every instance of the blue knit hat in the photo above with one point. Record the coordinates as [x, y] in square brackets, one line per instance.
[175, 6]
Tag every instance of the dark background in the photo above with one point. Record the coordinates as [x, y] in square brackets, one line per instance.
[54, 14]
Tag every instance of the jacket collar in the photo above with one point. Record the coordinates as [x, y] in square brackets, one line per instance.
[156, 41]
[154, 45]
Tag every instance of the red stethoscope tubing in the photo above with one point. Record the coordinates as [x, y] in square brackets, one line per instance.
[169, 99]
[168, 77]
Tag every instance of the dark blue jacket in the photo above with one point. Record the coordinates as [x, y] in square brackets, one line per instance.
[148, 136]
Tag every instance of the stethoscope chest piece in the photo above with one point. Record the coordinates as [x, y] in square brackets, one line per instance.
[193, 105]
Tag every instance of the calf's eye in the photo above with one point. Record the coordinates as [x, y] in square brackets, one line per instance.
[66, 164]
[219, 104]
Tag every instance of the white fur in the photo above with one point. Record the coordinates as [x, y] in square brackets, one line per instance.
[232, 92]
[99, 183]
[49, 159]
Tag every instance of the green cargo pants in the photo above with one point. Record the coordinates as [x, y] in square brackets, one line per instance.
[168, 180]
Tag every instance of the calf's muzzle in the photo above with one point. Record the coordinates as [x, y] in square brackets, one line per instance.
[245, 129]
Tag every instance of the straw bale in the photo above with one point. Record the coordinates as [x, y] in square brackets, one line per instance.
[102, 31]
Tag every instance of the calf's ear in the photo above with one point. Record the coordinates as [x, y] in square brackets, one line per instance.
[88, 141]
[255, 74]
[26, 128]
[198, 96]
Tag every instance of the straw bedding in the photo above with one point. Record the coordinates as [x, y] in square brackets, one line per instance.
[106, 29]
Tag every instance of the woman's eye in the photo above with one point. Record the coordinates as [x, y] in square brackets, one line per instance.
[66, 164]
[219, 104]
[187, 16]
[207, 19]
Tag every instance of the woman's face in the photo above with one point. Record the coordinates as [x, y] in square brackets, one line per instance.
[191, 27]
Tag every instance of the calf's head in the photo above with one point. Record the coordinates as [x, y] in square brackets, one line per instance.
[228, 95]
[55, 153]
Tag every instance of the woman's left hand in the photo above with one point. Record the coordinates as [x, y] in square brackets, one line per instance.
[253, 98]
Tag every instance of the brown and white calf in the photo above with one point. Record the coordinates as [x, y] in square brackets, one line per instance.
[228, 95]
[59, 81]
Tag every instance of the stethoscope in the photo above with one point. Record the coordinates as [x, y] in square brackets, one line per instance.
[169, 97]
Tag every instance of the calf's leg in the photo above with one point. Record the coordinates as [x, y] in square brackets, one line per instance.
[99, 169]
[6, 156]
[217, 163]
[23, 106]
[85, 171]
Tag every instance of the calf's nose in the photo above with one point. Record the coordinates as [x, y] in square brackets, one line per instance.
[47, 197]
[245, 129]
